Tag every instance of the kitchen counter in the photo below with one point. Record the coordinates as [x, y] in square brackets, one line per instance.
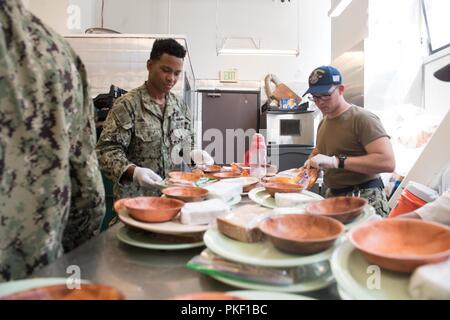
[142, 273]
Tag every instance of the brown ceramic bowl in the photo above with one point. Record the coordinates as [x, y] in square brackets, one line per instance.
[186, 194]
[402, 245]
[227, 175]
[213, 169]
[153, 209]
[301, 233]
[120, 204]
[275, 187]
[206, 296]
[344, 209]
[184, 176]
[62, 292]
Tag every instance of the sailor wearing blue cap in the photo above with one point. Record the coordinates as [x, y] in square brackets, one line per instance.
[352, 147]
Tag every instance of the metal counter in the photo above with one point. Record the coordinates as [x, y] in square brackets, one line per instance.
[143, 273]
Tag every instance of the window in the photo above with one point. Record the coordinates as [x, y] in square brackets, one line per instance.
[437, 23]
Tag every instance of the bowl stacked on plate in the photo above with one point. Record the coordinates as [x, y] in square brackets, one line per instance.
[298, 245]
[63, 292]
[402, 245]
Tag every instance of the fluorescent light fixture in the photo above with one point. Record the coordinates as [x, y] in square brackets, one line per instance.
[339, 8]
[257, 52]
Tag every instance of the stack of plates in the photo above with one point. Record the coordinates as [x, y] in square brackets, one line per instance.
[358, 279]
[145, 235]
[12, 287]
[266, 295]
[261, 197]
[264, 254]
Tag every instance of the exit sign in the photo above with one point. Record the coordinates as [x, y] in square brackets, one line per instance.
[230, 75]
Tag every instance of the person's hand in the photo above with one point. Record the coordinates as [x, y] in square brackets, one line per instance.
[321, 161]
[145, 177]
[201, 158]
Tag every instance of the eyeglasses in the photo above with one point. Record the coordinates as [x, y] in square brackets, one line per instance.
[323, 97]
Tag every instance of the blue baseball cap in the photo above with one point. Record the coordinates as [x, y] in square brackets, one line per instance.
[323, 79]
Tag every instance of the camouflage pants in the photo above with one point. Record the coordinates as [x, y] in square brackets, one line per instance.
[376, 197]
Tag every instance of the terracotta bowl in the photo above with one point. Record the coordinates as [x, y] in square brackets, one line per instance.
[402, 245]
[184, 176]
[120, 204]
[186, 194]
[227, 175]
[344, 209]
[213, 169]
[275, 187]
[153, 209]
[62, 292]
[301, 233]
[280, 179]
[205, 296]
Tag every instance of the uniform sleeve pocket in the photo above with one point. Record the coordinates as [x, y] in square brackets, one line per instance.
[123, 118]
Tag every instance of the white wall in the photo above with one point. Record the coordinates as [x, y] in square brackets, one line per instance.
[350, 28]
[272, 22]
[437, 93]
[348, 34]
[394, 54]
[53, 13]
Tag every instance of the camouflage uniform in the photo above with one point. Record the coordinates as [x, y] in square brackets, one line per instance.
[51, 191]
[376, 197]
[137, 132]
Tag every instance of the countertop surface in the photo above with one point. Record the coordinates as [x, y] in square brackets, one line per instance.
[144, 274]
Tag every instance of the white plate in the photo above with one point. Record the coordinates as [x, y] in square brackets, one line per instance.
[170, 227]
[138, 239]
[352, 274]
[261, 197]
[234, 201]
[262, 254]
[12, 287]
[266, 295]
[296, 288]
[344, 295]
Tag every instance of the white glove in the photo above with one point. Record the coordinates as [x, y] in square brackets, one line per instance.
[322, 162]
[145, 177]
[201, 158]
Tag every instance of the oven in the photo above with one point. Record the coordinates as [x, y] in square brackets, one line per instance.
[290, 127]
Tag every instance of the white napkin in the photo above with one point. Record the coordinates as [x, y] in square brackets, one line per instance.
[224, 191]
[289, 200]
[244, 181]
[294, 210]
[431, 281]
[204, 212]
